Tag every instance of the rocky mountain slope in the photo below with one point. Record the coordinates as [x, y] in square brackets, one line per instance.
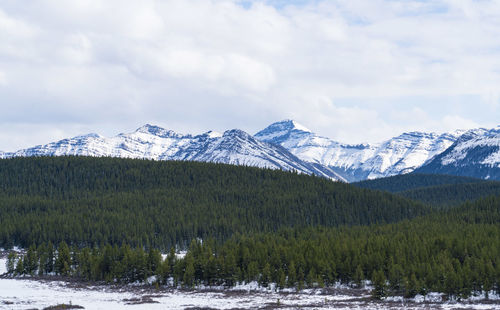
[401, 154]
[152, 142]
[287, 145]
[475, 154]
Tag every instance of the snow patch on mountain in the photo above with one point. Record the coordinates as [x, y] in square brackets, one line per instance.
[282, 131]
[486, 140]
[405, 153]
[401, 154]
[290, 146]
[475, 154]
[152, 142]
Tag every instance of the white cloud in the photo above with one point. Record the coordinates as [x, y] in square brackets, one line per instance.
[451, 122]
[492, 98]
[350, 69]
[3, 79]
[12, 27]
[77, 49]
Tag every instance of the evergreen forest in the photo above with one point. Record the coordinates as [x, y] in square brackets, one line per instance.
[107, 219]
[90, 201]
[435, 190]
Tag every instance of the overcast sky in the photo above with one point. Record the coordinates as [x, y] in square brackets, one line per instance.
[352, 70]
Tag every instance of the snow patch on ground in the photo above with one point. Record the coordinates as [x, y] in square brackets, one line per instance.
[26, 293]
[3, 265]
[29, 294]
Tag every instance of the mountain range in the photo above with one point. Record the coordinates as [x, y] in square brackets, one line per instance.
[287, 145]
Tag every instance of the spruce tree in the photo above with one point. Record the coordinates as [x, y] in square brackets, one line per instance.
[188, 278]
[292, 275]
[281, 279]
[31, 261]
[63, 261]
[11, 262]
[379, 284]
[20, 266]
[265, 276]
[164, 272]
[49, 264]
[359, 276]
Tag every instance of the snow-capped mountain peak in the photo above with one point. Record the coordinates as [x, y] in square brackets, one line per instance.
[289, 124]
[296, 126]
[401, 154]
[281, 131]
[212, 134]
[153, 142]
[236, 133]
[288, 145]
[476, 154]
[157, 131]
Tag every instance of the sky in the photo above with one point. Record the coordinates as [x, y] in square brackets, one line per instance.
[352, 70]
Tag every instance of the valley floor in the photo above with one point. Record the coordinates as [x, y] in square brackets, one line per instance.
[38, 293]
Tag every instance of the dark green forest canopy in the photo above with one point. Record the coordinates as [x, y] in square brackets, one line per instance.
[256, 224]
[453, 194]
[456, 252]
[435, 190]
[87, 201]
[410, 181]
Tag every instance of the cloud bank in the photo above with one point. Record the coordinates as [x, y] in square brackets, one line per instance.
[352, 70]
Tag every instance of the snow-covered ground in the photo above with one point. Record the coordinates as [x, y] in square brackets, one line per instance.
[33, 294]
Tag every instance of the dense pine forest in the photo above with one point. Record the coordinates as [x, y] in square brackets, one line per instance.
[109, 219]
[435, 190]
[89, 201]
[405, 182]
[452, 194]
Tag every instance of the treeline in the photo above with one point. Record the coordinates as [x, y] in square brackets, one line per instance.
[106, 263]
[452, 194]
[400, 259]
[90, 201]
[410, 181]
[456, 252]
[438, 191]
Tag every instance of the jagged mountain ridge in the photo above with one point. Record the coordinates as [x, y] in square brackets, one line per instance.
[287, 145]
[401, 154]
[476, 153]
[153, 142]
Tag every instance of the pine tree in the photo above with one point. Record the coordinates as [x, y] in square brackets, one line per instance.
[281, 279]
[171, 258]
[379, 285]
[153, 261]
[300, 279]
[84, 268]
[63, 261]
[11, 262]
[42, 259]
[252, 271]
[49, 265]
[396, 275]
[265, 277]
[359, 276]
[20, 266]
[412, 287]
[489, 278]
[311, 278]
[164, 272]
[31, 261]
[188, 278]
[292, 275]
